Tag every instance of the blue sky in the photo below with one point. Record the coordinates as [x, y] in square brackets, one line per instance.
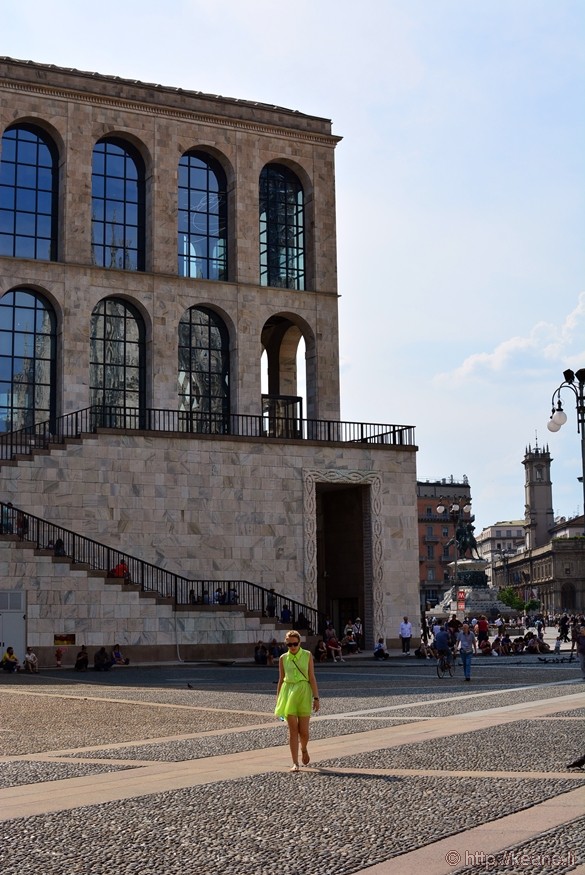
[460, 195]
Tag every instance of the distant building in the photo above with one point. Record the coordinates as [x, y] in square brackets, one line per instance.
[436, 535]
[550, 564]
[497, 543]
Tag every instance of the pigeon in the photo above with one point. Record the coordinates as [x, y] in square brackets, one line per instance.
[578, 764]
[190, 687]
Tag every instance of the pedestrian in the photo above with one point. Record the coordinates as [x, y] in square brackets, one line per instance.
[10, 661]
[358, 634]
[21, 525]
[380, 651]
[118, 657]
[82, 659]
[581, 649]
[31, 663]
[296, 695]
[405, 635]
[467, 645]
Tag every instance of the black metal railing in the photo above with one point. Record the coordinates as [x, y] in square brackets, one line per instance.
[80, 550]
[87, 421]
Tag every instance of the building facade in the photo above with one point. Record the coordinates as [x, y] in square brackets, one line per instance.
[550, 563]
[159, 250]
[437, 548]
[499, 542]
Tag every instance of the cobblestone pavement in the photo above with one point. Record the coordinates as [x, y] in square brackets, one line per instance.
[135, 773]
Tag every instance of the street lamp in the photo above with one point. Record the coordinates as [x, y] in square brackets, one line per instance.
[575, 381]
[455, 510]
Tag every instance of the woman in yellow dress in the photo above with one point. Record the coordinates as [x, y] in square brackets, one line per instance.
[296, 695]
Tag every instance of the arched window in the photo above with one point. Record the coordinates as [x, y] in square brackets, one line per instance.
[204, 365]
[117, 369]
[282, 237]
[27, 360]
[117, 212]
[29, 181]
[202, 231]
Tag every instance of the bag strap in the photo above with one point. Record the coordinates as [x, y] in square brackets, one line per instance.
[300, 669]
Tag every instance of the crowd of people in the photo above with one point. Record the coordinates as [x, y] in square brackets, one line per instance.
[504, 637]
[102, 660]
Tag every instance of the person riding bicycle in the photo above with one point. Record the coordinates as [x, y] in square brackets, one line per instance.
[443, 644]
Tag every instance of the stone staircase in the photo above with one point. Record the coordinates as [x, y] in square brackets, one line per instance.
[64, 599]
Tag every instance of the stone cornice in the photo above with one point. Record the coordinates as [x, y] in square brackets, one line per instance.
[170, 112]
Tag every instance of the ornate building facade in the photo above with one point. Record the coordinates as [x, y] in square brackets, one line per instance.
[159, 248]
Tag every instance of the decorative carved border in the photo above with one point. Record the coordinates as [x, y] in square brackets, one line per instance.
[310, 478]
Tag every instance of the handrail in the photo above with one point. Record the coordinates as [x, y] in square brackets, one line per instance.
[26, 441]
[80, 550]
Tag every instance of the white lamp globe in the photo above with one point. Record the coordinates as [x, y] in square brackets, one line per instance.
[560, 417]
[552, 425]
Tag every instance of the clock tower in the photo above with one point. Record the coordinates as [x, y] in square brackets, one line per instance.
[538, 509]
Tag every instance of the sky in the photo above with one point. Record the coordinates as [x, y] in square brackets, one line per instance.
[460, 196]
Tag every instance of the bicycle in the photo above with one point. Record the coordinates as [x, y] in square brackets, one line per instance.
[445, 666]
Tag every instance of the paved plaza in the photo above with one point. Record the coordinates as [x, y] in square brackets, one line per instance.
[134, 773]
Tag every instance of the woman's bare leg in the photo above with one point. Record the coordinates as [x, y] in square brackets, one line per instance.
[304, 738]
[293, 737]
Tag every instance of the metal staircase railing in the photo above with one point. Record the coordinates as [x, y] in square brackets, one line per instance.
[80, 550]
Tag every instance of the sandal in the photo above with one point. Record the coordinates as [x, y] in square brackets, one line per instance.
[306, 757]
[295, 768]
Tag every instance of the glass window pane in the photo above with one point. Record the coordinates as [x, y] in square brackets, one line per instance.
[118, 205]
[203, 213]
[27, 365]
[28, 171]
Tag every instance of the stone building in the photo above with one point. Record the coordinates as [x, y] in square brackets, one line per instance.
[159, 248]
[437, 534]
[551, 564]
[498, 542]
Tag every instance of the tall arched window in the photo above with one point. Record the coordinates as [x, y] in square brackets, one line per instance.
[204, 365]
[29, 179]
[202, 231]
[27, 360]
[117, 212]
[117, 355]
[282, 237]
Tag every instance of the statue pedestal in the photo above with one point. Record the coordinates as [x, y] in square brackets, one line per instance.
[479, 597]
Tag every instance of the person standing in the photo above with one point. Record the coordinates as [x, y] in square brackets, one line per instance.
[581, 649]
[467, 644]
[358, 634]
[405, 634]
[296, 695]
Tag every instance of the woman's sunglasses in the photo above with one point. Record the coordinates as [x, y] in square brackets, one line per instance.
[292, 643]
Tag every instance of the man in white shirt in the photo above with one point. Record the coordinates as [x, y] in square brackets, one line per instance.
[405, 634]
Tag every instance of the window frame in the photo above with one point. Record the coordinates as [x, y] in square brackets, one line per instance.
[22, 212]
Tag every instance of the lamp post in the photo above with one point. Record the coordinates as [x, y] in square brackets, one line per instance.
[575, 381]
[455, 509]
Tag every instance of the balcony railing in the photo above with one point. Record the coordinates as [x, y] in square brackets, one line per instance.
[87, 421]
[79, 550]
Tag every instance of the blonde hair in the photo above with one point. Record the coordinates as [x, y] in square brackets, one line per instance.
[292, 632]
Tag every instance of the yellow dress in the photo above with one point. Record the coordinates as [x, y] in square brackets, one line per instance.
[295, 697]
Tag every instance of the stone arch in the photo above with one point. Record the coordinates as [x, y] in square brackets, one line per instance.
[280, 338]
[568, 597]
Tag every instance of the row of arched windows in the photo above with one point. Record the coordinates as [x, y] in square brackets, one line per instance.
[29, 223]
[117, 360]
